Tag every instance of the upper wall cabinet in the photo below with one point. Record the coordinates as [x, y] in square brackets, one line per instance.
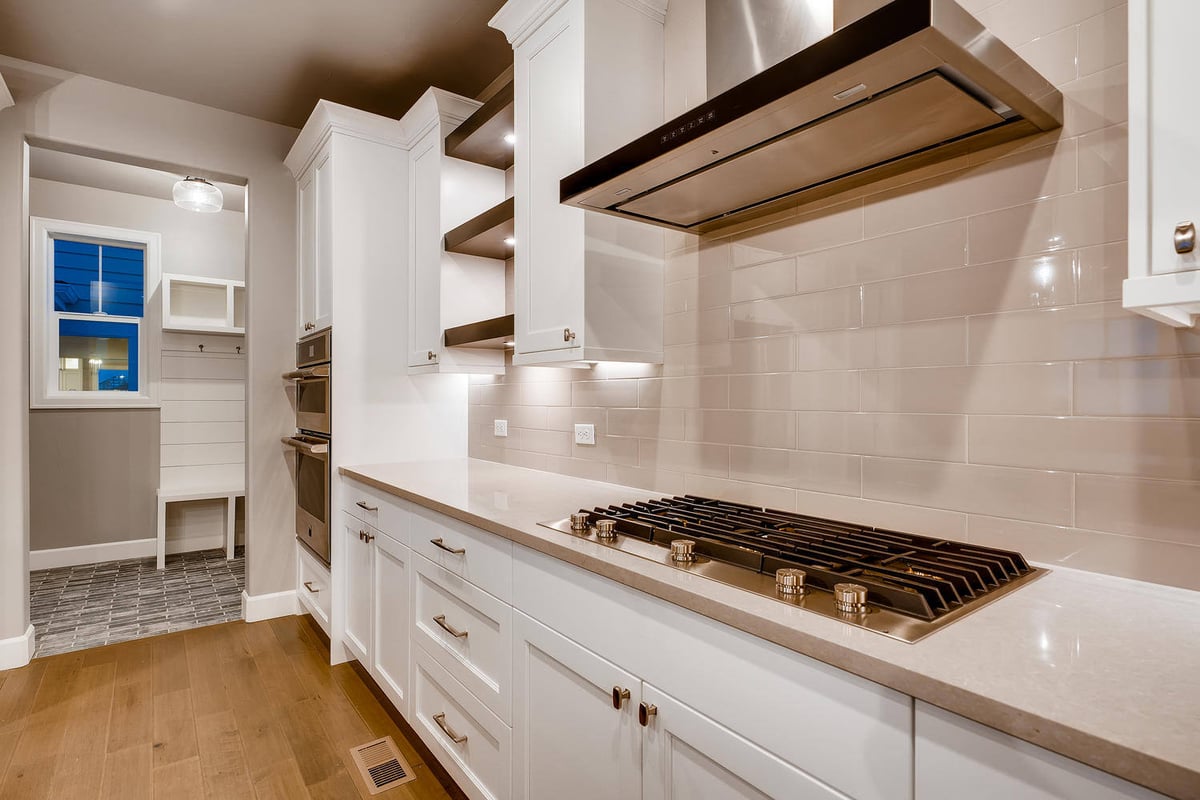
[1164, 162]
[448, 289]
[343, 161]
[588, 76]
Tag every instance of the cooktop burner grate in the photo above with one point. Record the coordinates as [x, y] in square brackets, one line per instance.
[924, 581]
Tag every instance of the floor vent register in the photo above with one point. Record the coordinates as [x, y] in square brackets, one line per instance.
[381, 765]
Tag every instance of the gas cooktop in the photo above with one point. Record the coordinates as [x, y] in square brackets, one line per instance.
[899, 584]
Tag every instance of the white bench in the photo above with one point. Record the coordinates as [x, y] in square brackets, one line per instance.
[182, 491]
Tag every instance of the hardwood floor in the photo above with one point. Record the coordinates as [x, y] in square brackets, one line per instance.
[228, 711]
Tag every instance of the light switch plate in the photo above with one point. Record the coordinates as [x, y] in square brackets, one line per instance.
[500, 427]
[585, 434]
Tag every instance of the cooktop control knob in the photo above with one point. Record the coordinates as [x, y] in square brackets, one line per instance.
[606, 530]
[850, 598]
[790, 581]
[683, 551]
[579, 522]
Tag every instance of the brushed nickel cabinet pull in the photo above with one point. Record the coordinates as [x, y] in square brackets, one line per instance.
[645, 712]
[568, 335]
[458, 551]
[1185, 237]
[368, 537]
[363, 505]
[440, 719]
[308, 326]
[619, 696]
[308, 585]
[431, 356]
[440, 619]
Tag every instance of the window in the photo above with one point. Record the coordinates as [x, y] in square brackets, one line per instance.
[91, 323]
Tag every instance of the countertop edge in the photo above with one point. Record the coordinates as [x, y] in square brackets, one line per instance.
[1116, 759]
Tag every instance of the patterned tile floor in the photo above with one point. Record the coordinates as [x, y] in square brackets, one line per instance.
[73, 608]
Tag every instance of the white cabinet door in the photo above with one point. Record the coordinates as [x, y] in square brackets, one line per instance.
[323, 277]
[390, 609]
[358, 554]
[549, 271]
[957, 758]
[687, 756]
[569, 741]
[425, 252]
[306, 257]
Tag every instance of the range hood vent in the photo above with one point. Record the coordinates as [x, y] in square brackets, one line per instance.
[912, 83]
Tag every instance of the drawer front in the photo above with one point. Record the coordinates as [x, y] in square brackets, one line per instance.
[443, 710]
[377, 508]
[312, 586]
[482, 558]
[467, 631]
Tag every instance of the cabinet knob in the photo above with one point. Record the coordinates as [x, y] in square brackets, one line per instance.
[645, 712]
[430, 356]
[568, 335]
[308, 326]
[619, 696]
[364, 536]
[1185, 237]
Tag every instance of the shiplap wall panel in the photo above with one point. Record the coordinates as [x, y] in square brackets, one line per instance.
[203, 411]
[203, 475]
[228, 390]
[185, 455]
[203, 433]
[203, 367]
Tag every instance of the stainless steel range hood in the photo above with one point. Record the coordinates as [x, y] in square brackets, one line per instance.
[911, 83]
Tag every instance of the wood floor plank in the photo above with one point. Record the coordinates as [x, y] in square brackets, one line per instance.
[170, 664]
[222, 761]
[131, 721]
[204, 671]
[300, 724]
[17, 695]
[262, 741]
[282, 781]
[84, 745]
[128, 774]
[180, 780]
[174, 728]
[31, 769]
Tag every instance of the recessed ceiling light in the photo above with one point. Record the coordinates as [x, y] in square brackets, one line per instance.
[510, 241]
[510, 139]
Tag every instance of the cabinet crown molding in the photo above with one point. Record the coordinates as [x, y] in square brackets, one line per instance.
[435, 106]
[517, 19]
[328, 118]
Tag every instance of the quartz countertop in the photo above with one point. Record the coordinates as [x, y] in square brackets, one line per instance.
[1101, 669]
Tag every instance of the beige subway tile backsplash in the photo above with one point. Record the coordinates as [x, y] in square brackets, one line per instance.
[943, 351]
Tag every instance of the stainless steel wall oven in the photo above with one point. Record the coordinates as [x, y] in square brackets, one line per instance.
[312, 441]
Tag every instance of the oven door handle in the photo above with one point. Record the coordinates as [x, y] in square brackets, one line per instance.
[313, 449]
[321, 371]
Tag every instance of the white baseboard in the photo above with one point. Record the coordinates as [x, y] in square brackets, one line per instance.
[258, 607]
[17, 651]
[91, 553]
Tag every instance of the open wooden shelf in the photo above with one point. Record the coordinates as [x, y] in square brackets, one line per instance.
[490, 334]
[480, 137]
[484, 235]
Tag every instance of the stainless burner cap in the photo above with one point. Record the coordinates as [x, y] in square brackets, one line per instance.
[579, 522]
[606, 529]
[850, 598]
[682, 551]
[790, 581]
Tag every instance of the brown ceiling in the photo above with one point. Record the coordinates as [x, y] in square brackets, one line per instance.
[271, 59]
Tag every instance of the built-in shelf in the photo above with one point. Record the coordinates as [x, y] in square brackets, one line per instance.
[490, 334]
[481, 137]
[195, 304]
[486, 234]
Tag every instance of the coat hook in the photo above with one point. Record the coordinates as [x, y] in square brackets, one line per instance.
[201, 347]
[239, 349]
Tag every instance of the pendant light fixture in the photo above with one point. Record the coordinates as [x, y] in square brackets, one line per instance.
[197, 194]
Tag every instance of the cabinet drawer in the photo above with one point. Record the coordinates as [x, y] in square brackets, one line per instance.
[482, 558]
[377, 508]
[480, 655]
[312, 586]
[443, 710]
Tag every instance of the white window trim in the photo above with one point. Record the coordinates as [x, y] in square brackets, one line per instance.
[43, 341]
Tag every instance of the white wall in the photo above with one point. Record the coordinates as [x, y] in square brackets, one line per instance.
[89, 114]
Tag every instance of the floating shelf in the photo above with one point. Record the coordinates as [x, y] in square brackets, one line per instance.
[480, 137]
[484, 235]
[194, 304]
[490, 334]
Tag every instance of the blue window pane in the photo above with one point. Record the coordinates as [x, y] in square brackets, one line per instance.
[97, 356]
[76, 277]
[124, 281]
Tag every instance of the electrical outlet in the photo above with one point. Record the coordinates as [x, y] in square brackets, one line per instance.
[585, 434]
[500, 427]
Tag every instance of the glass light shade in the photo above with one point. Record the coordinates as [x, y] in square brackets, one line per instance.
[197, 194]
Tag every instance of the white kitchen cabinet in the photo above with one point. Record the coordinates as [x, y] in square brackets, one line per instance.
[687, 756]
[447, 289]
[389, 612]
[1164, 161]
[313, 587]
[576, 732]
[587, 79]
[359, 554]
[958, 758]
[342, 157]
